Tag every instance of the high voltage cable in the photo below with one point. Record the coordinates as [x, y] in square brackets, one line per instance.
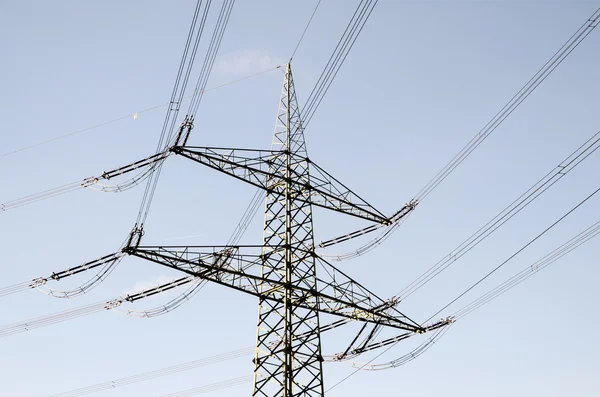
[55, 318]
[209, 60]
[217, 37]
[575, 158]
[93, 181]
[211, 387]
[305, 29]
[42, 321]
[337, 58]
[558, 253]
[11, 289]
[128, 380]
[568, 164]
[566, 248]
[588, 26]
[153, 374]
[402, 360]
[573, 42]
[127, 116]
[179, 88]
[516, 253]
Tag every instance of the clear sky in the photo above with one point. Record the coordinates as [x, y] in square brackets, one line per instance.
[423, 78]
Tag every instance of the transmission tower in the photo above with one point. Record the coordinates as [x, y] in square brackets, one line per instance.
[282, 272]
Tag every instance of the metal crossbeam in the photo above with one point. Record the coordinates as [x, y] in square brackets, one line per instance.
[260, 168]
[340, 295]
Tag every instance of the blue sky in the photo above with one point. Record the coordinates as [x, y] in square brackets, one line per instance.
[422, 79]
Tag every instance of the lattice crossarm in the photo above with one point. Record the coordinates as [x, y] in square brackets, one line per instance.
[342, 286]
[328, 192]
[248, 165]
[242, 272]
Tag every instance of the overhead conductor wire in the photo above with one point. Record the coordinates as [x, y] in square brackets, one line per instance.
[546, 182]
[573, 42]
[93, 182]
[179, 87]
[516, 253]
[558, 253]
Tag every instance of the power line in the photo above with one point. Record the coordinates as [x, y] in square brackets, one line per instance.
[566, 248]
[211, 387]
[529, 196]
[337, 58]
[179, 88]
[516, 253]
[305, 29]
[128, 116]
[144, 376]
[558, 253]
[586, 28]
[91, 182]
[66, 315]
[573, 42]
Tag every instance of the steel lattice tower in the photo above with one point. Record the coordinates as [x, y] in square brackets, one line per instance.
[295, 365]
[288, 359]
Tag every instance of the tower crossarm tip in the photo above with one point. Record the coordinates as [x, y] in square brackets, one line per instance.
[395, 218]
[350, 353]
[328, 192]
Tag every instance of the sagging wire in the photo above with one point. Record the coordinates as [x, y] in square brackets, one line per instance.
[337, 58]
[161, 372]
[406, 358]
[558, 253]
[209, 60]
[537, 237]
[94, 183]
[42, 321]
[537, 189]
[69, 187]
[542, 74]
[196, 97]
[128, 380]
[397, 220]
[148, 166]
[19, 287]
[566, 248]
[575, 158]
[212, 387]
[247, 217]
[198, 284]
[106, 263]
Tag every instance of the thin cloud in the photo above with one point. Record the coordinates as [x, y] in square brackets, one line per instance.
[247, 62]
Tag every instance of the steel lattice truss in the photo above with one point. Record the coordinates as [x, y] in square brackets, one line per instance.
[282, 272]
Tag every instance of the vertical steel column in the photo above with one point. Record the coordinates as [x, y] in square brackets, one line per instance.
[284, 365]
